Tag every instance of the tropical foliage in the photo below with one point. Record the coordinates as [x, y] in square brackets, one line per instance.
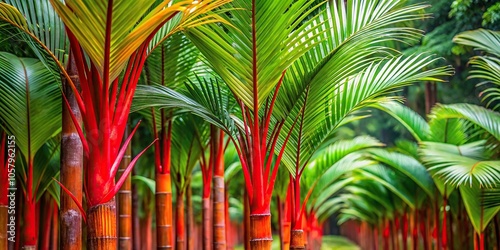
[257, 114]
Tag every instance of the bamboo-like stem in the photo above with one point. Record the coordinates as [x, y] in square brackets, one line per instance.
[101, 221]
[3, 230]
[219, 224]
[260, 231]
[136, 220]
[180, 241]
[164, 231]
[297, 240]
[190, 234]
[71, 175]
[206, 217]
[125, 201]
[147, 234]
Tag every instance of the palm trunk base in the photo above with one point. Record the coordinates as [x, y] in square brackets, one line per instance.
[164, 231]
[102, 233]
[219, 224]
[3, 230]
[297, 240]
[260, 232]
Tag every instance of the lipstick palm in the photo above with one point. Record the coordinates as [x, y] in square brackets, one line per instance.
[270, 96]
[114, 46]
[29, 95]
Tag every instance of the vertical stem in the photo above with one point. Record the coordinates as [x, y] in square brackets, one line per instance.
[136, 220]
[481, 240]
[54, 242]
[444, 230]
[405, 230]
[180, 222]
[101, 222]
[48, 210]
[125, 201]
[260, 231]
[3, 230]
[281, 221]
[219, 224]
[436, 220]
[164, 231]
[229, 231]
[206, 233]
[415, 229]
[190, 218]
[497, 230]
[29, 230]
[71, 175]
[246, 221]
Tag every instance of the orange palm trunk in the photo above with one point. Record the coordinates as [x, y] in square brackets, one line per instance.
[125, 202]
[71, 175]
[206, 232]
[260, 231]
[101, 222]
[180, 241]
[219, 224]
[3, 230]
[164, 232]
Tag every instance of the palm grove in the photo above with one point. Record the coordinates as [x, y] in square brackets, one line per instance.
[245, 107]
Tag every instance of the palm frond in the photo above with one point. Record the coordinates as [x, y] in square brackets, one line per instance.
[30, 102]
[407, 165]
[461, 165]
[482, 117]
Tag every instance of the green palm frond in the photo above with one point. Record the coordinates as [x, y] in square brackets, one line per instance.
[30, 108]
[388, 178]
[481, 39]
[189, 137]
[486, 119]
[410, 119]
[479, 215]
[30, 102]
[116, 38]
[407, 165]
[486, 67]
[371, 86]
[491, 198]
[40, 25]
[461, 165]
[265, 38]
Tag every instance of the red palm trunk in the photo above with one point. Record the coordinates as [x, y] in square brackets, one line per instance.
[190, 234]
[444, 231]
[29, 226]
[405, 230]
[180, 222]
[4, 186]
[219, 224]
